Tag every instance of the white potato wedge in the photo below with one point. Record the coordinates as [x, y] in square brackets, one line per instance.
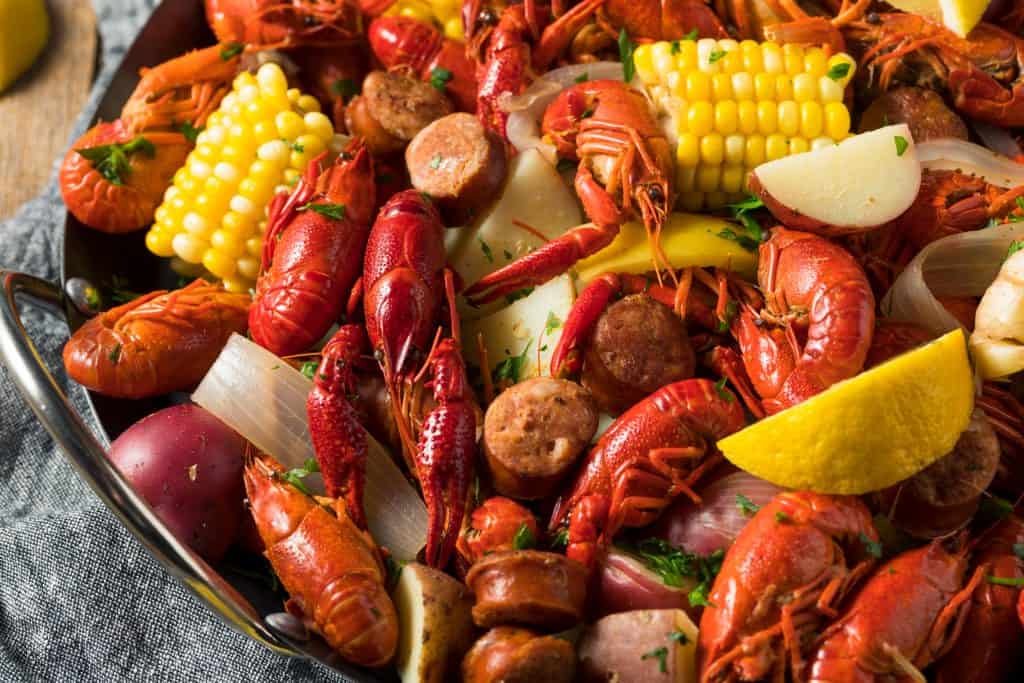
[653, 646]
[435, 624]
[865, 181]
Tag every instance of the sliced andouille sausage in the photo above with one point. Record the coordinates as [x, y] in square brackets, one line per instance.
[542, 590]
[923, 110]
[459, 163]
[392, 109]
[507, 654]
[943, 497]
[637, 346]
[534, 432]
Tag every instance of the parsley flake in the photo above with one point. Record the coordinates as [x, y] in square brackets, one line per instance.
[839, 71]
[692, 35]
[715, 56]
[781, 516]
[659, 653]
[112, 161]
[675, 47]
[560, 539]
[1014, 248]
[553, 323]
[901, 145]
[230, 50]
[582, 78]
[626, 49]
[1006, 581]
[435, 162]
[673, 565]
[678, 637]
[748, 507]
[190, 132]
[746, 242]
[523, 538]
[309, 369]
[439, 77]
[519, 294]
[115, 354]
[333, 211]
[295, 476]
[722, 392]
[874, 548]
[486, 249]
[731, 309]
[510, 369]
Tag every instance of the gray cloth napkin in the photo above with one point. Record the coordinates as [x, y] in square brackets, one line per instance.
[80, 599]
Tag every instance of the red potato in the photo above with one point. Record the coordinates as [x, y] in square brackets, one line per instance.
[625, 584]
[187, 465]
[644, 645]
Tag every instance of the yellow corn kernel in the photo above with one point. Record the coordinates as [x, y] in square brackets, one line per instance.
[742, 86]
[754, 154]
[686, 60]
[686, 177]
[188, 247]
[837, 60]
[709, 55]
[798, 145]
[764, 86]
[732, 178]
[692, 201]
[416, 10]
[227, 243]
[643, 62]
[248, 267]
[812, 119]
[837, 121]
[319, 125]
[775, 147]
[197, 224]
[159, 242]
[219, 263]
[733, 61]
[700, 118]
[187, 185]
[805, 87]
[726, 117]
[734, 149]
[746, 112]
[767, 117]
[289, 124]
[793, 56]
[815, 61]
[254, 245]
[308, 103]
[293, 95]
[676, 83]
[688, 150]
[271, 80]
[821, 143]
[721, 87]
[237, 285]
[774, 63]
[753, 62]
[783, 87]
[789, 117]
[662, 59]
[712, 149]
[698, 86]
[709, 177]
[238, 224]
[829, 90]
[453, 28]
[264, 131]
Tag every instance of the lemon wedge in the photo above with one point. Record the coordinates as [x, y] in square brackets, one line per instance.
[959, 16]
[869, 432]
[687, 240]
[24, 30]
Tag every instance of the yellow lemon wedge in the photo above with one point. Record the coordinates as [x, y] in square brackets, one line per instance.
[959, 16]
[687, 240]
[868, 432]
[24, 30]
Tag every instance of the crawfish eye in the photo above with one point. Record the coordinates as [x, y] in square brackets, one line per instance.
[655, 194]
[487, 16]
[873, 18]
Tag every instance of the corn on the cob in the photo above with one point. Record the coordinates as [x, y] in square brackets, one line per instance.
[256, 145]
[730, 106]
[442, 13]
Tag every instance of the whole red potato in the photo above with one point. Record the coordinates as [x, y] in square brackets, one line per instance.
[187, 465]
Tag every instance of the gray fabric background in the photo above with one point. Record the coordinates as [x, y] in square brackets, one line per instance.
[80, 600]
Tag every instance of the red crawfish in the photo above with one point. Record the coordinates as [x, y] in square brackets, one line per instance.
[313, 252]
[494, 526]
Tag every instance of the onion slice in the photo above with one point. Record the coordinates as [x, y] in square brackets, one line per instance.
[958, 265]
[263, 398]
[952, 154]
[527, 109]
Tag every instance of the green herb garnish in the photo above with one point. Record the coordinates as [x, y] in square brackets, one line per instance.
[678, 637]
[715, 56]
[296, 475]
[519, 294]
[435, 162]
[874, 548]
[510, 368]
[309, 369]
[112, 160]
[901, 145]
[486, 249]
[523, 538]
[1005, 581]
[748, 507]
[190, 132]
[692, 35]
[582, 78]
[333, 211]
[439, 77]
[731, 309]
[626, 49]
[722, 392]
[781, 516]
[1014, 248]
[115, 354]
[659, 653]
[673, 565]
[553, 323]
[560, 539]
[838, 71]
[229, 50]
[747, 243]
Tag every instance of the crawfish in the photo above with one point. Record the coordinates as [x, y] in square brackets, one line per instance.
[907, 614]
[815, 289]
[401, 41]
[494, 527]
[784, 575]
[270, 24]
[332, 570]
[312, 259]
[992, 634]
[625, 170]
[160, 342]
[114, 176]
[653, 452]
[983, 74]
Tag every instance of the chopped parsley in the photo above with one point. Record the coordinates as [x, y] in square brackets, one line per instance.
[715, 56]
[746, 242]
[345, 88]
[722, 392]
[295, 476]
[659, 653]
[115, 354]
[523, 538]
[874, 548]
[901, 144]
[519, 294]
[678, 637]
[587, 113]
[692, 35]
[560, 539]
[435, 162]
[333, 211]
[626, 49]
[394, 569]
[839, 71]
[510, 369]
[748, 507]
[731, 308]
[190, 132]
[1014, 248]
[675, 47]
[781, 516]
[553, 323]
[1006, 581]
[309, 368]
[486, 248]
[673, 565]
[230, 50]
[295, 147]
[439, 77]
[112, 161]
[582, 78]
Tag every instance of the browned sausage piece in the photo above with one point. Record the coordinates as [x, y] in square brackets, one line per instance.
[923, 110]
[637, 346]
[533, 433]
[515, 655]
[527, 588]
[392, 109]
[944, 496]
[458, 162]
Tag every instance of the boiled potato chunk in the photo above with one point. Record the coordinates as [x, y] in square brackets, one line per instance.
[653, 646]
[534, 196]
[435, 624]
[528, 329]
[687, 239]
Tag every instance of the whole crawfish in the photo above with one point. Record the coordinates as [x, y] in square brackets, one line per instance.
[401, 41]
[160, 342]
[332, 571]
[312, 259]
[494, 526]
[625, 171]
[991, 634]
[114, 176]
[404, 277]
[907, 614]
[780, 580]
[983, 74]
[653, 452]
[816, 292]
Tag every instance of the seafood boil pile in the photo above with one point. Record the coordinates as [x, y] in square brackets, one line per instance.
[597, 340]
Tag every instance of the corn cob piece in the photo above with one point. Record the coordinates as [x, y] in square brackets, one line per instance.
[257, 144]
[442, 13]
[730, 106]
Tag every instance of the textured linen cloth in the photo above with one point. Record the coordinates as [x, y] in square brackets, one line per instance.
[81, 600]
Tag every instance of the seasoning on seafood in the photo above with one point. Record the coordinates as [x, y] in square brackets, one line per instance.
[160, 342]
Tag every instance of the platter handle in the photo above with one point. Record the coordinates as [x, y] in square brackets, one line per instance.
[88, 457]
